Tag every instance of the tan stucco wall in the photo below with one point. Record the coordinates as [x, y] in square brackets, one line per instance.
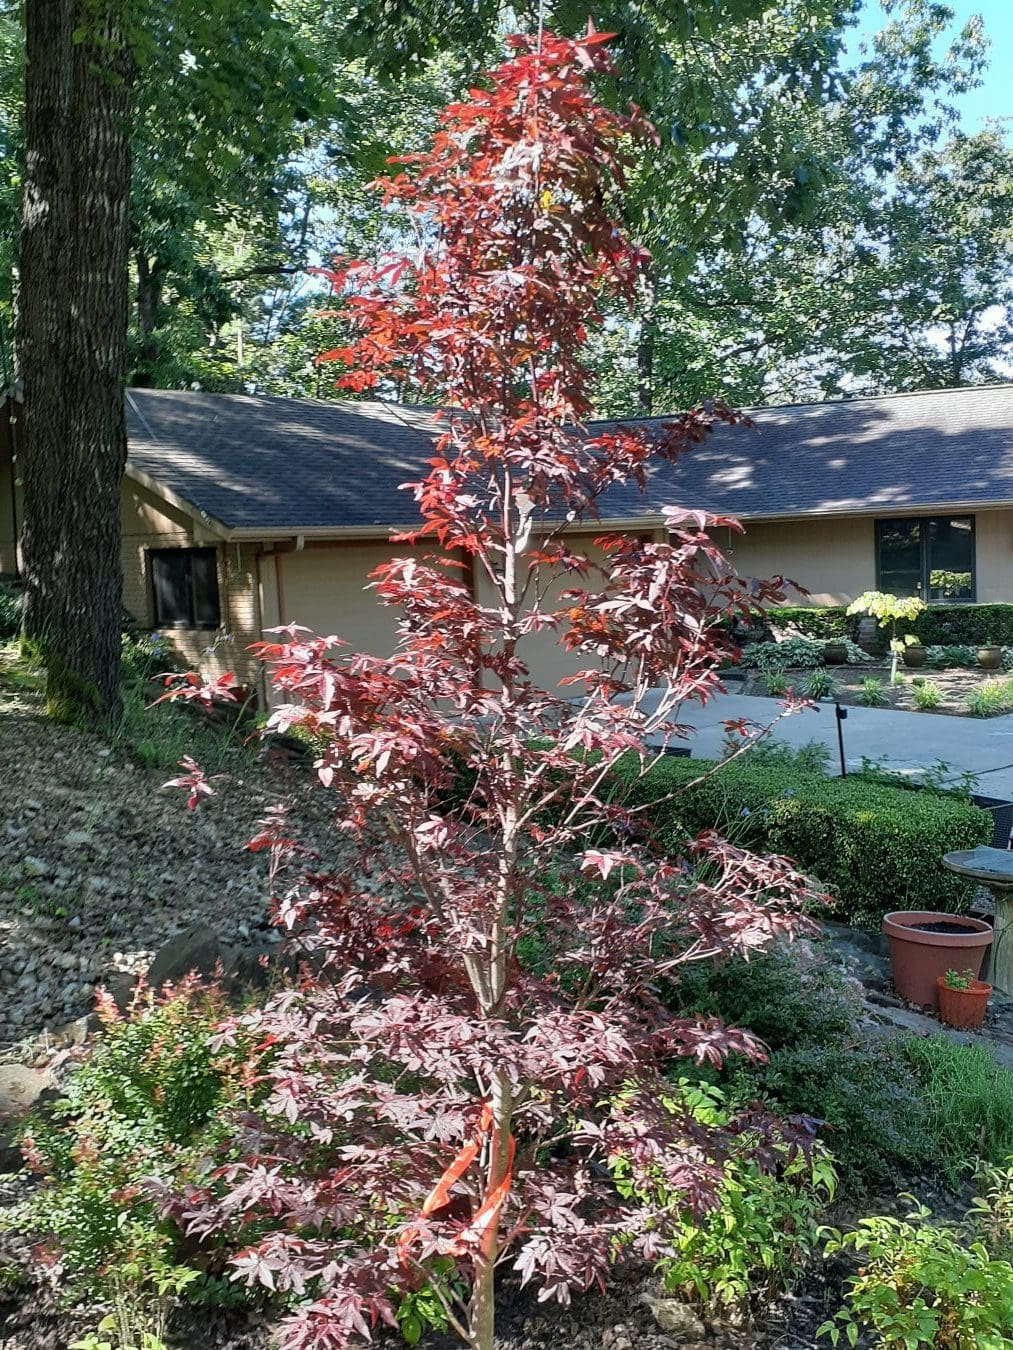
[836, 559]
[324, 588]
[993, 549]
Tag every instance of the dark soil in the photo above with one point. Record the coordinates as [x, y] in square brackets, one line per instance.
[941, 927]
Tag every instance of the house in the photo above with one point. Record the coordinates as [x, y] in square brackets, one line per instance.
[241, 513]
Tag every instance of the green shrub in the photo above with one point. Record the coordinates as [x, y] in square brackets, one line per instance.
[786, 997]
[151, 1105]
[872, 694]
[968, 1100]
[765, 1221]
[927, 694]
[922, 1284]
[864, 1091]
[10, 612]
[874, 847]
[824, 623]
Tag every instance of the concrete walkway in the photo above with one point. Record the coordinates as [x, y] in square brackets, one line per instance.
[904, 740]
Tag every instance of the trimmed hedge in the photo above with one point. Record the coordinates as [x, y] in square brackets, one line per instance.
[874, 847]
[936, 626]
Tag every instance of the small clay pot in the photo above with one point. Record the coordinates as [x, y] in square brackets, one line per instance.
[919, 957]
[835, 653]
[963, 1008]
[990, 658]
[914, 656]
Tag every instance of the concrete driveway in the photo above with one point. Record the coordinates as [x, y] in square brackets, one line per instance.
[904, 740]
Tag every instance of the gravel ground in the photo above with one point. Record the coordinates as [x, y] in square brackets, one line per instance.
[100, 866]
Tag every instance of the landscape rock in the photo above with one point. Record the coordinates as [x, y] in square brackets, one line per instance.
[675, 1317]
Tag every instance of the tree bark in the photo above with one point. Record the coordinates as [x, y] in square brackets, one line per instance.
[149, 302]
[645, 346]
[73, 334]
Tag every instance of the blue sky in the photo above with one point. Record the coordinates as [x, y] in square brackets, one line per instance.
[995, 97]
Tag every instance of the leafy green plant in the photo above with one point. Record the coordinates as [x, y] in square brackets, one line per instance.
[951, 654]
[871, 693]
[820, 685]
[922, 1284]
[962, 979]
[10, 612]
[786, 997]
[991, 1213]
[765, 1220]
[422, 1310]
[148, 1108]
[776, 682]
[926, 694]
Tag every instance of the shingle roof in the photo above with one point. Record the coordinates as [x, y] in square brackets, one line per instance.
[280, 463]
[284, 464]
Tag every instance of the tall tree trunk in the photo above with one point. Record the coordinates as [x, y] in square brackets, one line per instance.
[645, 345]
[73, 330]
[149, 300]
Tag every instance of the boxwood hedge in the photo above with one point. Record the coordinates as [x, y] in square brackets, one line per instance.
[874, 847]
[938, 625]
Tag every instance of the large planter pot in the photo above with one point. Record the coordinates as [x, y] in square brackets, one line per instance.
[914, 656]
[990, 658]
[920, 955]
[835, 653]
[963, 1008]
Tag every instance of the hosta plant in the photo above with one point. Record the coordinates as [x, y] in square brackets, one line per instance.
[433, 1098]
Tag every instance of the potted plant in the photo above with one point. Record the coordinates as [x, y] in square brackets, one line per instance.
[990, 656]
[962, 999]
[914, 653]
[835, 653]
[924, 945]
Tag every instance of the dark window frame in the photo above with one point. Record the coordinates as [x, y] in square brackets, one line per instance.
[923, 523]
[190, 621]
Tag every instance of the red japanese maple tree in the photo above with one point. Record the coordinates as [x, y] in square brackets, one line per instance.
[478, 1035]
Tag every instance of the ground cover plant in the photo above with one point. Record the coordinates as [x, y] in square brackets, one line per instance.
[477, 1106]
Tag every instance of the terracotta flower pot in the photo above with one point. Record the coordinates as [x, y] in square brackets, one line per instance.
[914, 656]
[963, 1008]
[835, 653]
[919, 956]
[990, 658]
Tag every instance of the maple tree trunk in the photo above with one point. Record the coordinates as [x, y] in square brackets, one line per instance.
[73, 327]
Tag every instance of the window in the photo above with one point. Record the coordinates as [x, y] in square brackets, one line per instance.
[184, 584]
[931, 557]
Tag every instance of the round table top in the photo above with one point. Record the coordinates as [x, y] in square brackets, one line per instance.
[991, 866]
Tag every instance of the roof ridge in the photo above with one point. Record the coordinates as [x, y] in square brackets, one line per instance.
[816, 402]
